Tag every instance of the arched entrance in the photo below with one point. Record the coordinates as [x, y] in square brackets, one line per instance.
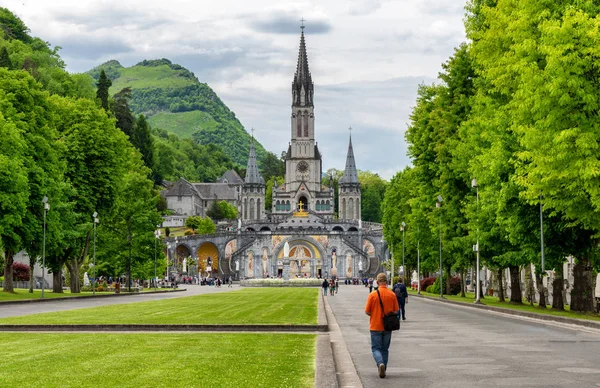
[208, 260]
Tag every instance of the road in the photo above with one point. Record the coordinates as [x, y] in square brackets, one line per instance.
[448, 346]
[13, 310]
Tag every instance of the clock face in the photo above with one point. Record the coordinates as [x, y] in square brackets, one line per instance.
[302, 167]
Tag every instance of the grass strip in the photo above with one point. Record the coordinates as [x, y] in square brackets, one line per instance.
[526, 306]
[281, 306]
[158, 360]
[24, 294]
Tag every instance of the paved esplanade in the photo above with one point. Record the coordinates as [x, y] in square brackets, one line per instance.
[13, 310]
[442, 345]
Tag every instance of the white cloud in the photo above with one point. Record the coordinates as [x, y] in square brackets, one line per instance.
[366, 57]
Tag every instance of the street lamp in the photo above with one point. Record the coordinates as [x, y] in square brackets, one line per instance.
[46, 208]
[478, 288]
[403, 228]
[168, 258]
[157, 236]
[418, 263]
[96, 220]
[542, 233]
[438, 204]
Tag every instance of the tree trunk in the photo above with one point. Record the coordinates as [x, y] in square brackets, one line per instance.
[463, 275]
[558, 303]
[541, 290]
[73, 267]
[501, 285]
[481, 291]
[582, 295]
[515, 285]
[8, 285]
[57, 286]
[31, 265]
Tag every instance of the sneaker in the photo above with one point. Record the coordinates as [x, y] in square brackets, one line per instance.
[404, 319]
[381, 369]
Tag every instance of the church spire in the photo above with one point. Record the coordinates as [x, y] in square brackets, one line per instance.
[350, 174]
[252, 174]
[302, 87]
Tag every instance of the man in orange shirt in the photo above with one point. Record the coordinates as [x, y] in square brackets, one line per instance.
[380, 339]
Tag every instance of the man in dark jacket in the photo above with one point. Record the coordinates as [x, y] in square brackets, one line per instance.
[325, 285]
[402, 295]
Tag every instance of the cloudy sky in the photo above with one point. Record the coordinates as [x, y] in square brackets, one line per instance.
[367, 58]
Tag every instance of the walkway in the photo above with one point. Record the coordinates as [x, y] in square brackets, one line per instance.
[13, 310]
[449, 346]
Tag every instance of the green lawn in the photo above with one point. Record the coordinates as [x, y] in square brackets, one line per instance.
[493, 301]
[246, 306]
[158, 360]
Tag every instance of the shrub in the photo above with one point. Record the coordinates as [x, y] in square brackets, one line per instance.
[20, 272]
[167, 231]
[454, 286]
[426, 282]
[189, 232]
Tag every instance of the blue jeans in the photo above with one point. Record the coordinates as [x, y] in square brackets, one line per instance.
[380, 344]
[324, 291]
[402, 303]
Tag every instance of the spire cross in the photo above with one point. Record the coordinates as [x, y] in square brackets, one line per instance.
[302, 25]
[350, 129]
[252, 132]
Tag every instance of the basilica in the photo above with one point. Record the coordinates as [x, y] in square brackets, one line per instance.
[302, 217]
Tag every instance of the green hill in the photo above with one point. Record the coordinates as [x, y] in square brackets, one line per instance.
[173, 99]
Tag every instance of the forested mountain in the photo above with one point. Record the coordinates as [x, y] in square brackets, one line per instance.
[172, 99]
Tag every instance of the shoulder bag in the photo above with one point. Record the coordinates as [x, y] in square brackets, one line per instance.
[390, 321]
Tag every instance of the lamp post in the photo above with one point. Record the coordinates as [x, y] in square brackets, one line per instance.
[96, 220]
[418, 266]
[403, 228]
[168, 259]
[542, 234]
[157, 236]
[438, 204]
[478, 288]
[46, 208]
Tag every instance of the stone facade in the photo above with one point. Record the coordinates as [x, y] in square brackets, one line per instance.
[300, 236]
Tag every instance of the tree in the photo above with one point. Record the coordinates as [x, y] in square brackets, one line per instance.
[227, 210]
[13, 27]
[142, 140]
[193, 222]
[103, 84]
[206, 226]
[5, 59]
[125, 118]
[272, 166]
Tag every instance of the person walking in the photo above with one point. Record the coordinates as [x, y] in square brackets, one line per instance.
[380, 339]
[325, 284]
[370, 285]
[337, 286]
[402, 296]
[332, 287]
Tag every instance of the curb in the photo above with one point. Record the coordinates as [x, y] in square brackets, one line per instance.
[142, 328]
[325, 372]
[25, 301]
[542, 317]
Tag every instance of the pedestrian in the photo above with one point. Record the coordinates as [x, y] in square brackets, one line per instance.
[402, 296]
[337, 286]
[370, 285]
[332, 287]
[325, 284]
[380, 339]
[229, 282]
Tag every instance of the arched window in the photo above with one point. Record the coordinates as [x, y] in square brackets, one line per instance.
[288, 206]
[351, 209]
[299, 122]
[305, 123]
[258, 209]
[277, 206]
[251, 215]
[357, 208]
[343, 212]
[327, 206]
[245, 208]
